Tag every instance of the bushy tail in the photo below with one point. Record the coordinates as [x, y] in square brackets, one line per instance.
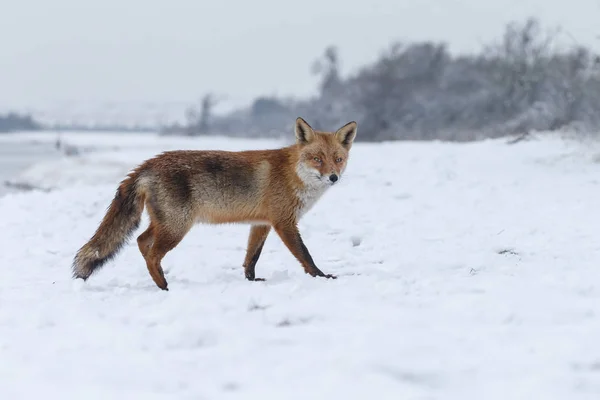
[121, 220]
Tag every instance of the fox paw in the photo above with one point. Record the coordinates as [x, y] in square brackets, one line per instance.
[321, 274]
[250, 276]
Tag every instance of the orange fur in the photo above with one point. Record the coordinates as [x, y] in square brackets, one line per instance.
[269, 189]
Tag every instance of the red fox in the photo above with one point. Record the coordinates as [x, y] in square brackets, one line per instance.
[264, 188]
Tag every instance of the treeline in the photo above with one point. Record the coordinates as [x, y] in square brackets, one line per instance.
[16, 122]
[419, 91]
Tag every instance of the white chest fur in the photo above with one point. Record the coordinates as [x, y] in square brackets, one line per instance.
[308, 197]
[312, 191]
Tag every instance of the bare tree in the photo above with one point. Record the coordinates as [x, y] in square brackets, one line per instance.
[328, 68]
[199, 121]
[209, 101]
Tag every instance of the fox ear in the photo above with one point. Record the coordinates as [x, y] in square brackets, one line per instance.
[346, 134]
[304, 132]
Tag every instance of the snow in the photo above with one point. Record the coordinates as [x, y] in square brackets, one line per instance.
[466, 271]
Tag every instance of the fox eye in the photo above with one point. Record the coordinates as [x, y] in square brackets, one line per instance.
[317, 159]
[338, 160]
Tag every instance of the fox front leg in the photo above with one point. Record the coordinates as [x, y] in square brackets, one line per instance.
[256, 241]
[291, 238]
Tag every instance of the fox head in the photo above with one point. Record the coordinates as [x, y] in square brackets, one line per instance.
[323, 155]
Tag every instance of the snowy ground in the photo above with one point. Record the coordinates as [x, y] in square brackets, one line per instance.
[466, 271]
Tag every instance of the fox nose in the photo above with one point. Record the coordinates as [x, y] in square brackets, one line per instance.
[333, 178]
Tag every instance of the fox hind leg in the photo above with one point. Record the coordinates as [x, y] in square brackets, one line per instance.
[163, 242]
[146, 239]
[256, 241]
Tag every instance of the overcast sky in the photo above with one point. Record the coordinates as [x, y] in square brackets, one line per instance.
[149, 50]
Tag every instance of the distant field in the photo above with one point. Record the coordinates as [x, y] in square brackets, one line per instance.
[15, 156]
